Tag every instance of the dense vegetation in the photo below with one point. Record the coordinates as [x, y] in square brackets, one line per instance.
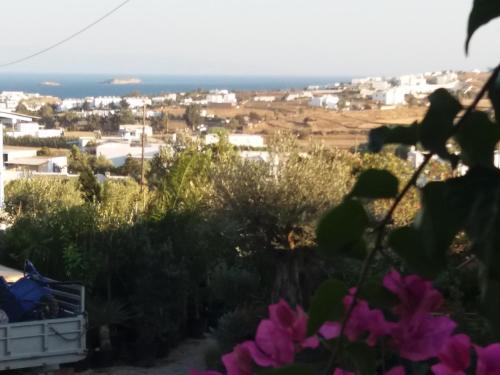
[386, 322]
[213, 239]
[210, 236]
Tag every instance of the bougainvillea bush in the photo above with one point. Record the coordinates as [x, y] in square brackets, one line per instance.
[414, 330]
[399, 325]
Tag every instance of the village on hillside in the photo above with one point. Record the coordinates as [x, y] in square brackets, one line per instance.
[139, 127]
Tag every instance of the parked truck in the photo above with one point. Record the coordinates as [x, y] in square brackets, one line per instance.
[46, 322]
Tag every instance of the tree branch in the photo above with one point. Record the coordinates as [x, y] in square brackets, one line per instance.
[381, 228]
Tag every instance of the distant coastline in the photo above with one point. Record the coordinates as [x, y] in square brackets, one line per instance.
[84, 85]
[122, 81]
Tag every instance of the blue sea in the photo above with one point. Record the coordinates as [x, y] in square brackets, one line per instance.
[83, 85]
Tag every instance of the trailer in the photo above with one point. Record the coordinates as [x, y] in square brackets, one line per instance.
[45, 344]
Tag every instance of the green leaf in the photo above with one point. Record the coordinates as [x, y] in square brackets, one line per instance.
[378, 296]
[327, 305]
[407, 243]
[483, 11]
[438, 123]
[341, 230]
[440, 221]
[490, 302]
[363, 358]
[494, 93]
[481, 192]
[478, 137]
[384, 135]
[289, 370]
[376, 183]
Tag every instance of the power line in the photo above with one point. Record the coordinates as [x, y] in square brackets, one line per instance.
[67, 39]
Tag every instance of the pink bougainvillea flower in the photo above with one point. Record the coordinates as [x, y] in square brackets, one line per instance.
[330, 330]
[273, 346]
[416, 295]
[455, 356]
[422, 337]
[400, 370]
[365, 320]
[488, 360]
[195, 372]
[294, 322]
[239, 361]
[441, 369]
[343, 372]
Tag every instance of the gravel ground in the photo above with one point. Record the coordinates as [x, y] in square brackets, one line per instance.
[189, 355]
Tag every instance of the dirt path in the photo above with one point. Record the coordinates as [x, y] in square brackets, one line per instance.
[189, 355]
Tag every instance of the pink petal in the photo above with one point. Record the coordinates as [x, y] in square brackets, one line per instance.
[456, 352]
[423, 337]
[488, 362]
[442, 369]
[400, 370]
[343, 372]
[239, 361]
[310, 343]
[275, 343]
[416, 295]
[258, 356]
[282, 314]
[330, 330]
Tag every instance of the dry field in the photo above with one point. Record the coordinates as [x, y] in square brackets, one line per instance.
[316, 125]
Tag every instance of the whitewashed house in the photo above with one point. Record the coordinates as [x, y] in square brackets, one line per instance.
[138, 102]
[9, 100]
[238, 140]
[42, 164]
[161, 99]
[134, 132]
[70, 103]
[392, 96]
[117, 152]
[221, 97]
[105, 101]
[325, 101]
[33, 129]
[266, 99]
[11, 153]
[298, 95]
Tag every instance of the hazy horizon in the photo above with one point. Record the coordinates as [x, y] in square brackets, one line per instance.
[315, 38]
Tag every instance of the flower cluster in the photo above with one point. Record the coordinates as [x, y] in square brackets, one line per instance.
[418, 334]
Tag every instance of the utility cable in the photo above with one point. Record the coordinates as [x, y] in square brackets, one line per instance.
[67, 39]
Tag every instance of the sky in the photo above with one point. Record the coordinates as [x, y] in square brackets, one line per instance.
[245, 37]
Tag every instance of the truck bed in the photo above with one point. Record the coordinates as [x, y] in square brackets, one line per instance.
[49, 342]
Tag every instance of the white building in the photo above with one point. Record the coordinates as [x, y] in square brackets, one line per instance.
[9, 100]
[325, 101]
[134, 132]
[161, 99]
[48, 164]
[138, 102]
[238, 140]
[117, 152]
[267, 99]
[70, 103]
[298, 95]
[380, 85]
[221, 97]
[105, 101]
[263, 156]
[33, 129]
[11, 153]
[392, 96]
